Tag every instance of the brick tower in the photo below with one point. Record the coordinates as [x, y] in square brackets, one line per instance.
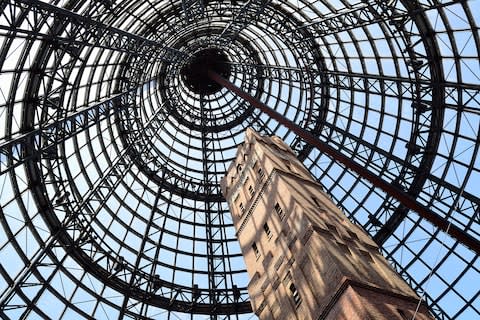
[304, 258]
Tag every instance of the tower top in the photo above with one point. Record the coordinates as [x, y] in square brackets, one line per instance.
[253, 143]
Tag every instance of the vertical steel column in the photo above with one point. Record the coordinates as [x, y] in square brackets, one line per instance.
[387, 187]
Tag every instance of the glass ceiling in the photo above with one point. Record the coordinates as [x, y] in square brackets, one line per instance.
[111, 156]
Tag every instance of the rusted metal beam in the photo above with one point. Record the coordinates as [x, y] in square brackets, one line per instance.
[403, 197]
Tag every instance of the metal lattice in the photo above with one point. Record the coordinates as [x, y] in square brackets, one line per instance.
[111, 151]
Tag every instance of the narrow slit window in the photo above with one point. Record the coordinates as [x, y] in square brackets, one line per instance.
[287, 279]
[367, 256]
[267, 230]
[332, 228]
[279, 211]
[344, 248]
[288, 165]
[295, 295]
[261, 174]
[315, 200]
[255, 250]
[251, 190]
[352, 235]
[242, 208]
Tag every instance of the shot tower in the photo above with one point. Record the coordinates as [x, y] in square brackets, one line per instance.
[119, 118]
[306, 260]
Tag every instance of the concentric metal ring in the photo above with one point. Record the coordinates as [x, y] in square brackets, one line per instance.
[110, 162]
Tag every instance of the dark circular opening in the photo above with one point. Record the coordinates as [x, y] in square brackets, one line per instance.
[194, 73]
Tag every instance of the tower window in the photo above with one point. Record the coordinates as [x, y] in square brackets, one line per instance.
[255, 250]
[315, 200]
[287, 279]
[250, 189]
[344, 248]
[261, 174]
[242, 208]
[352, 235]
[332, 228]
[279, 211]
[267, 230]
[295, 295]
[368, 257]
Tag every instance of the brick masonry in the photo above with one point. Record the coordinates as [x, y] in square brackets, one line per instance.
[304, 258]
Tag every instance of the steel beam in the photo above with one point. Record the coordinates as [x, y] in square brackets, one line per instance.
[79, 30]
[249, 13]
[408, 201]
[12, 151]
[362, 15]
[70, 223]
[193, 10]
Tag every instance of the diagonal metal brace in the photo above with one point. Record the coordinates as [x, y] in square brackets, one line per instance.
[404, 198]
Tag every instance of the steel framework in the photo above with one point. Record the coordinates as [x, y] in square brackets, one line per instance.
[111, 151]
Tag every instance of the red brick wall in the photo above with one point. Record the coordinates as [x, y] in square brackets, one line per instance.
[335, 267]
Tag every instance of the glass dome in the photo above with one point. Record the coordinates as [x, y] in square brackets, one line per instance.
[113, 143]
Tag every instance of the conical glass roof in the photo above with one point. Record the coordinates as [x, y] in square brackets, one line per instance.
[113, 143]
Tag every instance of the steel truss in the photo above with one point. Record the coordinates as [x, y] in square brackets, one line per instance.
[110, 165]
[193, 10]
[66, 28]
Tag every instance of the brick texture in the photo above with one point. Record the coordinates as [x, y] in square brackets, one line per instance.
[304, 258]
